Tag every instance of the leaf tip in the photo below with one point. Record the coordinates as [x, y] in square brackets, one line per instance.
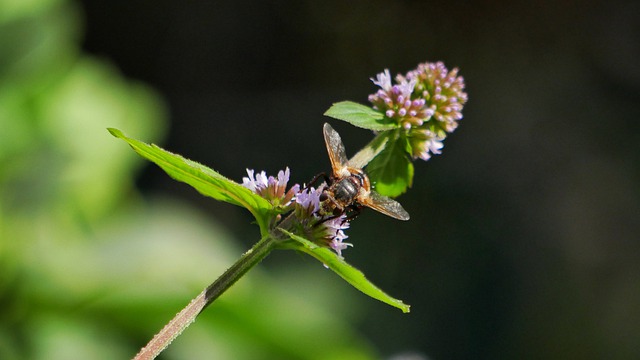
[405, 308]
[115, 132]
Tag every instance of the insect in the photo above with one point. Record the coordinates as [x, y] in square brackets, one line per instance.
[349, 187]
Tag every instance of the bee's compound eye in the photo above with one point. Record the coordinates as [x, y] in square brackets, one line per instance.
[323, 196]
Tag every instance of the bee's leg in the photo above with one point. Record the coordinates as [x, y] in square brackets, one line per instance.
[327, 219]
[315, 180]
[353, 211]
[336, 212]
[331, 218]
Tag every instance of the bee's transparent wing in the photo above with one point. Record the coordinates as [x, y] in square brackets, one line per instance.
[335, 148]
[386, 206]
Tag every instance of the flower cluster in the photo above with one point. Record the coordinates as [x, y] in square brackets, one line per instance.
[309, 221]
[270, 188]
[397, 103]
[427, 102]
[327, 230]
[443, 91]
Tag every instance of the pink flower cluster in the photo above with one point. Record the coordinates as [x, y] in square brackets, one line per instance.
[427, 102]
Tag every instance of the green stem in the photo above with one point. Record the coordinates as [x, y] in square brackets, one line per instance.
[188, 315]
[248, 260]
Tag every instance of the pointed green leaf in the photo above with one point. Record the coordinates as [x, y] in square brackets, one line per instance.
[349, 273]
[360, 116]
[391, 172]
[207, 181]
[370, 151]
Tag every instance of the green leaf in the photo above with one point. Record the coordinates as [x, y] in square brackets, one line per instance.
[391, 172]
[360, 116]
[207, 181]
[369, 152]
[352, 275]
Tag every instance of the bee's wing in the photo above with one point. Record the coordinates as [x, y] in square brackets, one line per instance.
[386, 206]
[335, 148]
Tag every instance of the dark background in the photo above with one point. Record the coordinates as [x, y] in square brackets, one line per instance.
[523, 241]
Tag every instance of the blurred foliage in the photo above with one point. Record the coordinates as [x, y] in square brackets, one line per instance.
[87, 268]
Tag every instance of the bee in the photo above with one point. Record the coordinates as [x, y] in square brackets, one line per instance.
[349, 187]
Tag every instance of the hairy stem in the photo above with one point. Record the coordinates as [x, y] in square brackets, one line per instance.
[188, 315]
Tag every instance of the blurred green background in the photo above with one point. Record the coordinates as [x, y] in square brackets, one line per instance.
[523, 241]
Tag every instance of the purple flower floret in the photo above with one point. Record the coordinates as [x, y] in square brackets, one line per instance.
[383, 80]
[271, 188]
[335, 233]
[424, 143]
[427, 102]
[397, 104]
[309, 199]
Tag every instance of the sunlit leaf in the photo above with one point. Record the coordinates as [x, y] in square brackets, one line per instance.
[360, 116]
[207, 181]
[352, 275]
[370, 151]
[391, 172]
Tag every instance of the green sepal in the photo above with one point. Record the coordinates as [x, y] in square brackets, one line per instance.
[391, 171]
[360, 116]
[349, 273]
[205, 180]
